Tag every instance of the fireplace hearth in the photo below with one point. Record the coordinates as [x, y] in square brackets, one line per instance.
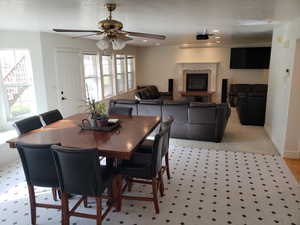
[196, 81]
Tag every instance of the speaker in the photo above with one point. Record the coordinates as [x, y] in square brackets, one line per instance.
[224, 93]
[170, 86]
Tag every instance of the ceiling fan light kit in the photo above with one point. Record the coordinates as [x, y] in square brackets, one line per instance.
[112, 37]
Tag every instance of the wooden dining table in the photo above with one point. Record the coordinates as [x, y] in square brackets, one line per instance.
[118, 144]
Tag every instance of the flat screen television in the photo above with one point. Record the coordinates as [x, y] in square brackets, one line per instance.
[250, 58]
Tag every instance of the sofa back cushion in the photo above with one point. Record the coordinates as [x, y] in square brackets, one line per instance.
[202, 113]
[126, 103]
[150, 107]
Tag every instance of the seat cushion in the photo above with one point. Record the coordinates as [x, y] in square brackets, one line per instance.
[146, 146]
[138, 166]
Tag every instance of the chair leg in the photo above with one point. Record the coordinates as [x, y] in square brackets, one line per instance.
[32, 204]
[161, 184]
[65, 209]
[129, 182]
[154, 190]
[167, 166]
[99, 210]
[85, 202]
[54, 195]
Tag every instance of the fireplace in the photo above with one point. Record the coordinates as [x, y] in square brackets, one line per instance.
[197, 81]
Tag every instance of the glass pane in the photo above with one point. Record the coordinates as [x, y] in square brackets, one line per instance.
[120, 62]
[21, 104]
[15, 66]
[92, 88]
[120, 83]
[130, 64]
[108, 87]
[130, 80]
[106, 65]
[90, 65]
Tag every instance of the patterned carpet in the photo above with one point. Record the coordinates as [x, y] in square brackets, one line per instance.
[208, 187]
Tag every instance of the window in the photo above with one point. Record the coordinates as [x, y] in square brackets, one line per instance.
[16, 83]
[130, 72]
[107, 76]
[91, 77]
[120, 74]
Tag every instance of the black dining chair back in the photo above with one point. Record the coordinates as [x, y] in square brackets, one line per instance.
[167, 125]
[159, 146]
[38, 165]
[116, 110]
[28, 124]
[40, 170]
[79, 171]
[51, 116]
[146, 166]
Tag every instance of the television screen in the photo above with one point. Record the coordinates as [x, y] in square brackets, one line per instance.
[250, 58]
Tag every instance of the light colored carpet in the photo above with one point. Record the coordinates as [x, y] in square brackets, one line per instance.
[208, 187]
[237, 138]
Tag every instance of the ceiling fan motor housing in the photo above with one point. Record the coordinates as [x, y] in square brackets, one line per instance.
[202, 37]
[110, 25]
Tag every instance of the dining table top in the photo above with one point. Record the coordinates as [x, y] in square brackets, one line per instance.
[119, 143]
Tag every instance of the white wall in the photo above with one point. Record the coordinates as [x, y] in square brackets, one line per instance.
[282, 120]
[157, 64]
[50, 43]
[42, 47]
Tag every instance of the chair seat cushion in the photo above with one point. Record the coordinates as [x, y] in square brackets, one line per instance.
[146, 146]
[138, 166]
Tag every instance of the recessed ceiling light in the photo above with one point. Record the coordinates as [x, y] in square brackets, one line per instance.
[145, 40]
[215, 31]
[157, 44]
[218, 42]
[217, 37]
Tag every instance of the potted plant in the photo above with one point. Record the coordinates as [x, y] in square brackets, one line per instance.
[98, 113]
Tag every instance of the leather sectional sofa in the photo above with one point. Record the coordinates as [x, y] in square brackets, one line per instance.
[237, 90]
[250, 102]
[251, 109]
[151, 92]
[192, 120]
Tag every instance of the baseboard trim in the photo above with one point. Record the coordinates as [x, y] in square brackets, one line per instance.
[291, 155]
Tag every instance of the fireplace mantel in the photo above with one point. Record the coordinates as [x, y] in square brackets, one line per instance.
[211, 68]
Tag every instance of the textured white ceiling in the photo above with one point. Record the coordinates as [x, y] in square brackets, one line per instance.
[239, 21]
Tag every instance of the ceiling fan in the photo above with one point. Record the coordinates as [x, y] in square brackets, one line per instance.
[112, 35]
[204, 35]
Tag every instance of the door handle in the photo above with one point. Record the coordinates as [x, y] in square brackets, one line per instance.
[63, 98]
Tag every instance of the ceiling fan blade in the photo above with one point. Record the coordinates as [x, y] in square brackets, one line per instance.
[87, 35]
[124, 37]
[145, 35]
[72, 30]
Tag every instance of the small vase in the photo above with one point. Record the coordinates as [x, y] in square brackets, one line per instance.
[101, 123]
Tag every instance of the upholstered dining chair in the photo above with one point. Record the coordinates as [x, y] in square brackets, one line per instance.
[147, 145]
[116, 110]
[80, 173]
[146, 168]
[51, 116]
[28, 124]
[39, 169]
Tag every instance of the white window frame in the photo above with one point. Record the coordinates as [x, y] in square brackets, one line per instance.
[113, 74]
[5, 119]
[102, 75]
[133, 72]
[97, 76]
[124, 74]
